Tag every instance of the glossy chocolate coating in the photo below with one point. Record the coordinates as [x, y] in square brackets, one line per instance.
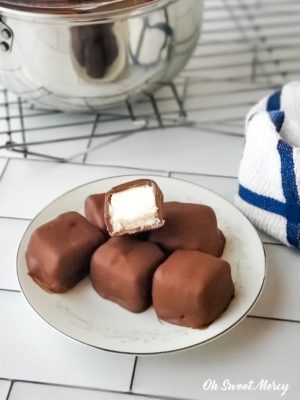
[59, 252]
[159, 198]
[192, 289]
[189, 227]
[122, 271]
[94, 210]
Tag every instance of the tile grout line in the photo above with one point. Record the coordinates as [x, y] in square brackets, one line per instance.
[293, 321]
[89, 388]
[133, 373]
[174, 172]
[127, 167]
[269, 243]
[212, 130]
[86, 164]
[9, 390]
[10, 290]
[15, 218]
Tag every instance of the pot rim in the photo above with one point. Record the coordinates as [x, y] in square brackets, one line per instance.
[93, 11]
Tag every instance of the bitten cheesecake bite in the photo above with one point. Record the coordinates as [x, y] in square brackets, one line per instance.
[189, 227]
[59, 252]
[192, 289]
[122, 271]
[94, 210]
[133, 207]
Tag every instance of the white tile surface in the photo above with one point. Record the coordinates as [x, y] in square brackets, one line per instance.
[4, 388]
[257, 349]
[280, 298]
[28, 186]
[31, 350]
[226, 187]
[180, 149]
[28, 391]
[11, 231]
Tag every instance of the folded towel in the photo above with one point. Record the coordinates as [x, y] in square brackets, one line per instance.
[269, 173]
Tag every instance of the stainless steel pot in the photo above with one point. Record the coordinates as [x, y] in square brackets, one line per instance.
[94, 54]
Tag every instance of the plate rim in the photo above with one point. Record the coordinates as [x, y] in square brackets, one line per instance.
[176, 350]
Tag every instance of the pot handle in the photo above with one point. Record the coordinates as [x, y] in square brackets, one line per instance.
[6, 37]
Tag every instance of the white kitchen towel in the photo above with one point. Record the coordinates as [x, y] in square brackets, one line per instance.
[269, 176]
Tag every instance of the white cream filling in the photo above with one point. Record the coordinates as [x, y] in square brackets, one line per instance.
[133, 208]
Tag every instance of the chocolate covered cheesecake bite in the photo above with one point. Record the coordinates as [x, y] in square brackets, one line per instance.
[59, 252]
[192, 289]
[189, 227]
[133, 207]
[122, 271]
[94, 210]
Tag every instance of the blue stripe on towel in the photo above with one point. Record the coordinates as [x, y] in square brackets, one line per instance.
[274, 102]
[290, 190]
[287, 210]
[263, 202]
[277, 117]
[289, 183]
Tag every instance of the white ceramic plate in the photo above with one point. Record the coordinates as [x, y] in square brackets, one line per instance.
[84, 316]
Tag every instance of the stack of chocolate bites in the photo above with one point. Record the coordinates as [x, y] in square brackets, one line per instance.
[139, 251]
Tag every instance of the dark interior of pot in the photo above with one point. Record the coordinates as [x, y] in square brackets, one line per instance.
[79, 6]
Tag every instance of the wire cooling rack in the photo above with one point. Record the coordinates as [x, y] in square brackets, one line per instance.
[247, 48]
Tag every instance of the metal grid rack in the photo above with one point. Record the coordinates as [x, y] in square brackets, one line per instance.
[247, 48]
